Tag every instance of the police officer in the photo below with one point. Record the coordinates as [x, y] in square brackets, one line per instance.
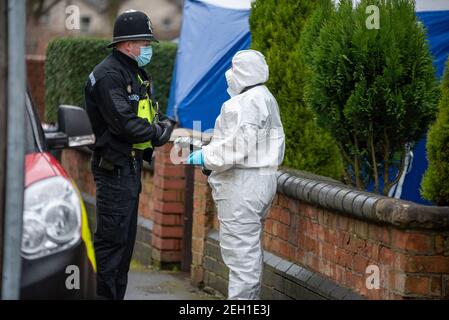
[127, 129]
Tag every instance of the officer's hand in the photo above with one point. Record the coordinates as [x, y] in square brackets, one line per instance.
[164, 137]
[159, 129]
[163, 117]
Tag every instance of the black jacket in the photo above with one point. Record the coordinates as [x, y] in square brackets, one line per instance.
[112, 95]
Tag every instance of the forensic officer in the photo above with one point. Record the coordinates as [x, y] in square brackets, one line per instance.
[127, 129]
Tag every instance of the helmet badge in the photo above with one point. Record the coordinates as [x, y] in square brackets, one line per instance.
[150, 27]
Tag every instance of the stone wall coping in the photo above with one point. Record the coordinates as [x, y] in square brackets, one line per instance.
[145, 223]
[334, 195]
[35, 57]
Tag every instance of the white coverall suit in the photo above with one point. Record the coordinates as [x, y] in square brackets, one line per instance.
[247, 147]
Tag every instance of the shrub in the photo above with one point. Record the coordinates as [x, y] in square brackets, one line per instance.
[70, 60]
[435, 183]
[276, 28]
[373, 89]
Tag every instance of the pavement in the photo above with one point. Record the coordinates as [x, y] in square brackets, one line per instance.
[145, 283]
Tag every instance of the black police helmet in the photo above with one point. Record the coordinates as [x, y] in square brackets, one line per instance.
[132, 25]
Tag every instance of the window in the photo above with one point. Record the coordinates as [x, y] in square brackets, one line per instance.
[167, 23]
[85, 23]
[44, 19]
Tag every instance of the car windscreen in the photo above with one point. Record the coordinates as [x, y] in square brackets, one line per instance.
[34, 135]
[30, 143]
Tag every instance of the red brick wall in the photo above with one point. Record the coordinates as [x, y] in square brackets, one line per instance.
[168, 204]
[161, 200]
[412, 263]
[36, 77]
[77, 165]
[146, 208]
[204, 219]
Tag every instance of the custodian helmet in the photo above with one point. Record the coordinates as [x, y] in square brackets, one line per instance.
[132, 25]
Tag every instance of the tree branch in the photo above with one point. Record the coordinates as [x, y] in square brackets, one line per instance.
[358, 180]
[49, 7]
[37, 9]
[386, 162]
[373, 159]
[349, 161]
[400, 172]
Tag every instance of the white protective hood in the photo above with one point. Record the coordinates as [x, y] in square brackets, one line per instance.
[248, 132]
[248, 69]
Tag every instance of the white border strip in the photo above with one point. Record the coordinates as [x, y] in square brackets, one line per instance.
[423, 5]
[432, 5]
[231, 4]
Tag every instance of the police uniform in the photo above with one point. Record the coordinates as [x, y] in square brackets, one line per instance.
[117, 96]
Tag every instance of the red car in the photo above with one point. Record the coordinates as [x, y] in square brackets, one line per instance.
[58, 260]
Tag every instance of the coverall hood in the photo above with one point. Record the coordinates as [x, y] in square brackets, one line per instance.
[249, 68]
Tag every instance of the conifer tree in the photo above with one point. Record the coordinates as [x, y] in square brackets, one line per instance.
[373, 88]
[276, 28]
[435, 183]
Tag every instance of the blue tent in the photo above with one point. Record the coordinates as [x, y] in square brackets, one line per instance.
[434, 14]
[212, 32]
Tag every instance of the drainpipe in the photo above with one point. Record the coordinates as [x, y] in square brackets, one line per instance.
[15, 150]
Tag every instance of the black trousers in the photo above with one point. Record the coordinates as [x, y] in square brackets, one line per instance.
[117, 210]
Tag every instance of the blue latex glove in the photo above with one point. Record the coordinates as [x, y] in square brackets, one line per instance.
[196, 158]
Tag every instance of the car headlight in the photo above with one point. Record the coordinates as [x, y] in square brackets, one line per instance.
[51, 217]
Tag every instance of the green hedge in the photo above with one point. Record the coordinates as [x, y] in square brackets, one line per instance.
[276, 28]
[435, 183]
[70, 60]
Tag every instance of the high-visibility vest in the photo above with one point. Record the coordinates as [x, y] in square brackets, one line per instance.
[145, 111]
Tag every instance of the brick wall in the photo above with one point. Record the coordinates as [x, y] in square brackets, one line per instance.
[282, 279]
[204, 219]
[336, 233]
[412, 263]
[168, 204]
[77, 165]
[36, 76]
[161, 207]
[319, 237]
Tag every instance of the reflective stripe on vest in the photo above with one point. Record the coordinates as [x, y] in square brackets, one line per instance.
[145, 111]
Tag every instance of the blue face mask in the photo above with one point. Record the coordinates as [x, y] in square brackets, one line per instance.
[146, 53]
